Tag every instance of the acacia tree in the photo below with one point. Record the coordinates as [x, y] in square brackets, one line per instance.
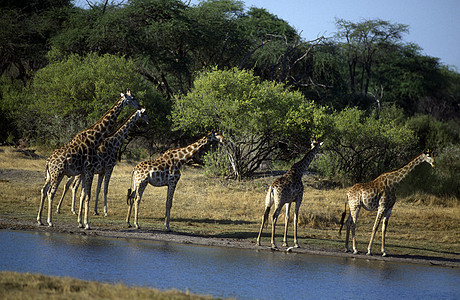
[256, 116]
[361, 43]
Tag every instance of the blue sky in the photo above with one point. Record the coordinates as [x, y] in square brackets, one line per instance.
[433, 25]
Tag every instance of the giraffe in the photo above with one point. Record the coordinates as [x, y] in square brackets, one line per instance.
[285, 190]
[75, 158]
[164, 171]
[379, 195]
[105, 161]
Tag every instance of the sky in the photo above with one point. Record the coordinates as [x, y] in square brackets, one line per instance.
[433, 25]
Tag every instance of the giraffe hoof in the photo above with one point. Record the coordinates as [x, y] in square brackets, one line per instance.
[87, 227]
[355, 252]
[50, 224]
[285, 245]
[128, 225]
[296, 246]
[80, 225]
[95, 213]
[369, 253]
[384, 254]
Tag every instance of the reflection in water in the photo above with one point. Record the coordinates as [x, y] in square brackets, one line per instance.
[221, 272]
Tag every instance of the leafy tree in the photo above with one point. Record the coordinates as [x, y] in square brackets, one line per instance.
[256, 115]
[278, 52]
[27, 26]
[362, 43]
[418, 83]
[70, 94]
[361, 146]
[432, 133]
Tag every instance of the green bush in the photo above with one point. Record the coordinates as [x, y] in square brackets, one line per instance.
[432, 133]
[361, 145]
[257, 116]
[71, 93]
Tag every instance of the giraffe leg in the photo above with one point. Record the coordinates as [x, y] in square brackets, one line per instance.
[137, 201]
[274, 219]
[75, 186]
[44, 193]
[384, 231]
[80, 207]
[87, 199]
[51, 192]
[264, 219]
[84, 199]
[374, 230]
[108, 174]
[354, 220]
[169, 198]
[286, 223]
[296, 219]
[130, 207]
[100, 177]
[347, 238]
[66, 188]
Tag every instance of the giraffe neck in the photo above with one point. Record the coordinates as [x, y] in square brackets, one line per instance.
[301, 166]
[398, 175]
[116, 139]
[107, 122]
[184, 154]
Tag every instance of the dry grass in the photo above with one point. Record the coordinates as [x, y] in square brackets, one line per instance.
[419, 224]
[33, 286]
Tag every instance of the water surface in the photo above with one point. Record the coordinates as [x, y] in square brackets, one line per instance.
[222, 272]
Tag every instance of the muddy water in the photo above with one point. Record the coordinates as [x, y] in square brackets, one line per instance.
[221, 272]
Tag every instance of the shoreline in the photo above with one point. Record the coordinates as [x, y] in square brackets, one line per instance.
[182, 238]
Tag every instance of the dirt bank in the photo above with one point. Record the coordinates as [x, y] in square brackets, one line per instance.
[15, 224]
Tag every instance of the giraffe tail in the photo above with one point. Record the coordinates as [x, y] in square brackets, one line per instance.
[342, 219]
[128, 197]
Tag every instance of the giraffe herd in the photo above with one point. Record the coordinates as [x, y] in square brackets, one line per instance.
[94, 151]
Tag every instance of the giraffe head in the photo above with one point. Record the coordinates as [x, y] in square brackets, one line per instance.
[143, 115]
[128, 99]
[428, 157]
[216, 135]
[315, 142]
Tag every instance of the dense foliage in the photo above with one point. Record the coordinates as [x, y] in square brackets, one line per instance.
[375, 100]
[257, 115]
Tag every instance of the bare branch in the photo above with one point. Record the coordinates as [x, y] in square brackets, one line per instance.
[250, 53]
